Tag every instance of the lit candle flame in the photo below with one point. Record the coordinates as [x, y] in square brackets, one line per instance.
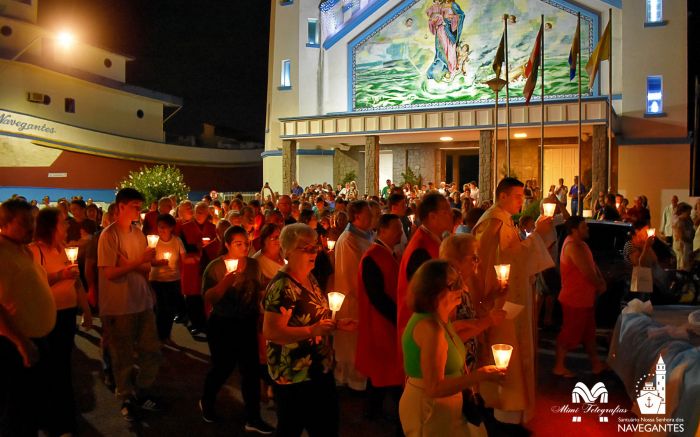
[651, 232]
[152, 240]
[501, 355]
[549, 209]
[502, 273]
[335, 301]
[205, 240]
[143, 216]
[231, 265]
[72, 254]
[331, 244]
[167, 256]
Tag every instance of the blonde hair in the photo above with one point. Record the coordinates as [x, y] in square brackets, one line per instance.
[455, 247]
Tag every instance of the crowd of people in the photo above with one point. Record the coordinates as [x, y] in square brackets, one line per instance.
[422, 301]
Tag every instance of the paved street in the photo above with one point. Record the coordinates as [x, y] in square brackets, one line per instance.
[182, 374]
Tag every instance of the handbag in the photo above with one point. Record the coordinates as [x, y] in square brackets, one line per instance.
[642, 280]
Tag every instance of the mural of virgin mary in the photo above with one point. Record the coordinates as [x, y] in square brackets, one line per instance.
[445, 20]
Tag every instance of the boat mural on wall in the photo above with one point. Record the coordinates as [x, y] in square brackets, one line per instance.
[428, 53]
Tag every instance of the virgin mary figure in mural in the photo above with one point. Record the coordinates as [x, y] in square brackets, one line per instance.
[445, 20]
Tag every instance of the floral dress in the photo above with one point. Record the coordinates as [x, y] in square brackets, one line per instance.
[305, 359]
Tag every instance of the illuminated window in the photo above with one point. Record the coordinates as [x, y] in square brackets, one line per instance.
[655, 95]
[654, 11]
[286, 81]
[313, 38]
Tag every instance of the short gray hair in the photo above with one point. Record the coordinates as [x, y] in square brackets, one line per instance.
[455, 247]
[291, 234]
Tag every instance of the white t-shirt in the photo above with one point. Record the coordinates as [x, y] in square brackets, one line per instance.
[129, 293]
[170, 272]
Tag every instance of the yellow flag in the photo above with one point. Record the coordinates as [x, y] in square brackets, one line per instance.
[601, 53]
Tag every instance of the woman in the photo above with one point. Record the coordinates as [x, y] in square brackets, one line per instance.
[297, 325]
[434, 356]
[63, 277]
[232, 328]
[270, 254]
[683, 234]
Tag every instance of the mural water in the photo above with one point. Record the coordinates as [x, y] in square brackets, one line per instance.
[440, 52]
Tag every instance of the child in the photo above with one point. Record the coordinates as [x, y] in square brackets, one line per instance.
[165, 275]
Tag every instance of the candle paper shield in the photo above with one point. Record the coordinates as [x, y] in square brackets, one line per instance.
[501, 355]
[549, 209]
[331, 244]
[72, 254]
[152, 240]
[231, 265]
[502, 272]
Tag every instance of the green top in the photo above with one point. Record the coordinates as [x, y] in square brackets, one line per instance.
[454, 366]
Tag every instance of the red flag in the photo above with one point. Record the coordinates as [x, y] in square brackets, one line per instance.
[532, 67]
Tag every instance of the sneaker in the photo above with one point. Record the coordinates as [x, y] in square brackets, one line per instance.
[128, 410]
[149, 403]
[208, 412]
[259, 426]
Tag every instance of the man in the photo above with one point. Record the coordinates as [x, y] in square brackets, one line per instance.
[435, 216]
[387, 189]
[581, 282]
[126, 305]
[78, 211]
[667, 220]
[639, 213]
[284, 205]
[149, 222]
[573, 195]
[297, 190]
[474, 193]
[514, 399]
[377, 337]
[27, 315]
[349, 248]
[193, 235]
[398, 207]
[561, 191]
[610, 212]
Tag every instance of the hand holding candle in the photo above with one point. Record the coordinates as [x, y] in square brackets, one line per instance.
[331, 244]
[335, 301]
[651, 232]
[501, 355]
[549, 209]
[143, 216]
[72, 254]
[152, 241]
[502, 273]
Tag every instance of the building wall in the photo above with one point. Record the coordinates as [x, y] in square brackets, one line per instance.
[663, 172]
[272, 172]
[314, 169]
[96, 107]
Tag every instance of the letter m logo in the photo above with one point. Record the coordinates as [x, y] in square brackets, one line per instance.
[581, 393]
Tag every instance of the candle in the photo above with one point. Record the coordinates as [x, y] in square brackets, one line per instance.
[412, 218]
[502, 273]
[651, 232]
[331, 244]
[587, 213]
[335, 301]
[501, 355]
[549, 209]
[143, 216]
[72, 254]
[617, 205]
[152, 240]
[167, 256]
[286, 262]
[205, 240]
[231, 265]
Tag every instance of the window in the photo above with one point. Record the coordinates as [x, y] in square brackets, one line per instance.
[286, 80]
[286, 2]
[6, 30]
[314, 38]
[654, 12]
[108, 62]
[139, 113]
[69, 105]
[654, 95]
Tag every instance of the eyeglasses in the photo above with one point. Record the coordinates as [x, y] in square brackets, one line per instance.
[311, 248]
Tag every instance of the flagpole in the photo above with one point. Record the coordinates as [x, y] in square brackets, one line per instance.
[505, 33]
[610, 97]
[495, 147]
[542, 108]
[578, 67]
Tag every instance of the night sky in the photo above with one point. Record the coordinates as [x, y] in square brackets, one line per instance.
[212, 53]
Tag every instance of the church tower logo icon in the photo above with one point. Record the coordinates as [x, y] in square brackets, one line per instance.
[651, 397]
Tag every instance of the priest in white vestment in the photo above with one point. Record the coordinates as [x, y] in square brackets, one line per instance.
[349, 248]
[499, 243]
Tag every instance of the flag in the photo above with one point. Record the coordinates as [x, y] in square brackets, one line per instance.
[601, 53]
[500, 56]
[575, 48]
[532, 67]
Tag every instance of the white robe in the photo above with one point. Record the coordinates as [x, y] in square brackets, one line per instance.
[348, 252]
[501, 244]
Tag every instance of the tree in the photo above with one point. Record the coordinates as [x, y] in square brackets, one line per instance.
[156, 182]
[349, 177]
[411, 178]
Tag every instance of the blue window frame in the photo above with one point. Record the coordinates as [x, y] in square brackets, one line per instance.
[655, 97]
[313, 38]
[286, 76]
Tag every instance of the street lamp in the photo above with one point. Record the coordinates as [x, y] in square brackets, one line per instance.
[64, 38]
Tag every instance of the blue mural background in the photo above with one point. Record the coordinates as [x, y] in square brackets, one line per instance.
[397, 63]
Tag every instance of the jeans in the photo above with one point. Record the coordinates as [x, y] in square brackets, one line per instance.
[61, 341]
[167, 297]
[195, 312]
[310, 405]
[234, 342]
[133, 341]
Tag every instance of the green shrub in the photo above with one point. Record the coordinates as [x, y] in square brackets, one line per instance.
[156, 182]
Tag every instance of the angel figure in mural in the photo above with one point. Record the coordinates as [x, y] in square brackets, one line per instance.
[445, 21]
